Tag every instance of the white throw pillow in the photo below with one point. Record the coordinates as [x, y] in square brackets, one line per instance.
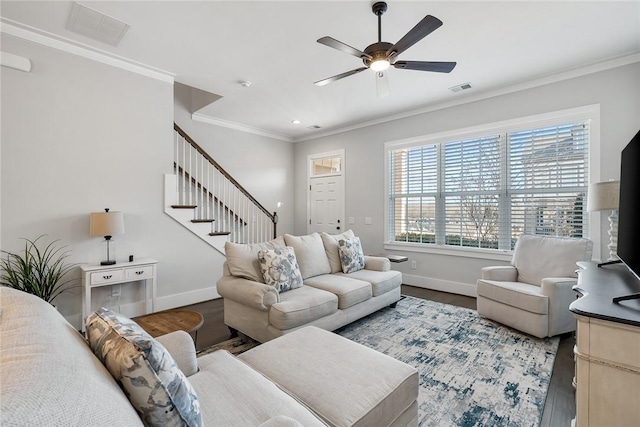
[330, 242]
[351, 255]
[280, 268]
[310, 254]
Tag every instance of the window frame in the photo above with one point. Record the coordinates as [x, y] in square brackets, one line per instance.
[589, 113]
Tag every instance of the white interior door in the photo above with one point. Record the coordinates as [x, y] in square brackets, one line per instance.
[326, 194]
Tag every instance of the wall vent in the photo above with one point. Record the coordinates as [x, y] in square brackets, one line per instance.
[96, 25]
[313, 127]
[460, 87]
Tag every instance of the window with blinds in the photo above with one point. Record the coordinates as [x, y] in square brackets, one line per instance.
[484, 192]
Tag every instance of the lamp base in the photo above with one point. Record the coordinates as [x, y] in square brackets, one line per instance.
[107, 262]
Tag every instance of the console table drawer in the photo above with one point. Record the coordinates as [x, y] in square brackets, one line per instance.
[140, 273]
[104, 277]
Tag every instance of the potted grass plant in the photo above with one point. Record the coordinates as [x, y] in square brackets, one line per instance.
[37, 271]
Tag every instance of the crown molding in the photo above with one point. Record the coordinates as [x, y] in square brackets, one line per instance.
[16, 29]
[240, 127]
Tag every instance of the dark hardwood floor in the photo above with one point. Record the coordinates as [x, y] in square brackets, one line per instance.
[559, 407]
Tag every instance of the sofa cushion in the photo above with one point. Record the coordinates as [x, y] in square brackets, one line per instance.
[280, 268]
[301, 306]
[381, 281]
[48, 374]
[348, 290]
[156, 388]
[242, 259]
[310, 254]
[516, 294]
[330, 242]
[537, 257]
[351, 255]
[234, 394]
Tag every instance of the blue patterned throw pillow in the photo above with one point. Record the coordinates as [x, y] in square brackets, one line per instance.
[351, 255]
[280, 268]
[145, 370]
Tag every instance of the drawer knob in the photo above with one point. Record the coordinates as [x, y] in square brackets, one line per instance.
[107, 277]
[139, 272]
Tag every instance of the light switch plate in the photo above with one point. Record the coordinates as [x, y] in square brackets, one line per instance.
[352, 220]
[367, 220]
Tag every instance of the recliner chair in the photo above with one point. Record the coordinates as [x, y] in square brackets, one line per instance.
[533, 293]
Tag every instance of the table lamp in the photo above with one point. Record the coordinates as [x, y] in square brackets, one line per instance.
[605, 196]
[106, 224]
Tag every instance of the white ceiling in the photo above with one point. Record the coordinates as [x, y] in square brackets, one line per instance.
[212, 45]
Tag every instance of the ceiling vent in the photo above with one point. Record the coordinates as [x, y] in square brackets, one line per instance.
[460, 87]
[313, 127]
[96, 25]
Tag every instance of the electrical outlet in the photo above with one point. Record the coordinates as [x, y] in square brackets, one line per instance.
[414, 265]
[115, 290]
[367, 220]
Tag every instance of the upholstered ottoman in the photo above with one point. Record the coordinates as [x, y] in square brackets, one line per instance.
[344, 383]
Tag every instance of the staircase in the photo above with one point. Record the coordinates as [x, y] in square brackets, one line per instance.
[204, 198]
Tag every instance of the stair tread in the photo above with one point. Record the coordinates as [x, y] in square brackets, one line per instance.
[184, 206]
[202, 220]
[220, 233]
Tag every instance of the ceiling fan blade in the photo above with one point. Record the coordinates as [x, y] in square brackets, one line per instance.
[339, 76]
[421, 30]
[382, 84]
[438, 67]
[336, 44]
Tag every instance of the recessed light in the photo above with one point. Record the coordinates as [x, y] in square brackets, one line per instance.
[295, 122]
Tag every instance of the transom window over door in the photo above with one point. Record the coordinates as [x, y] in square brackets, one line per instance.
[485, 190]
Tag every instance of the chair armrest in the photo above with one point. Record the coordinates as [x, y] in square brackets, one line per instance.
[376, 263]
[247, 292]
[180, 345]
[502, 273]
[560, 295]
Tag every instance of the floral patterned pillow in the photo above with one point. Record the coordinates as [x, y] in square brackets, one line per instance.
[280, 268]
[351, 255]
[145, 370]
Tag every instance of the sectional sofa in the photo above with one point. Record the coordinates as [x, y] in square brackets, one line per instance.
[51, 376]
[328, 297]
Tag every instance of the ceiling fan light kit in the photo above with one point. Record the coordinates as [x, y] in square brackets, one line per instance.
[381, 55]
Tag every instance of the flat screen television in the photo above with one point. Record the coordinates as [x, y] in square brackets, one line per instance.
[629, 208]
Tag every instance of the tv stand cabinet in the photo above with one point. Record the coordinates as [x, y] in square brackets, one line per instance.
[607, 348]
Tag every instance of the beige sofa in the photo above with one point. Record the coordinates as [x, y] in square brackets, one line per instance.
[50, 377]
[328, 299]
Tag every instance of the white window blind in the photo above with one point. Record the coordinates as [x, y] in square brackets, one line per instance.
[484, 192]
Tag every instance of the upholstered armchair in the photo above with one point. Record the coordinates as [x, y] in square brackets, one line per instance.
[534, 292]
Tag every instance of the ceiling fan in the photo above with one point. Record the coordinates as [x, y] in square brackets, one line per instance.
[381, 55]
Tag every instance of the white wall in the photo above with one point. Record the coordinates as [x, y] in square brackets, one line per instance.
[79, 136]
[616, 90]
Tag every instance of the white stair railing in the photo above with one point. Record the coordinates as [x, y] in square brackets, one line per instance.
[216, 197]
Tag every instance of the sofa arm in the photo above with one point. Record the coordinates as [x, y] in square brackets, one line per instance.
[247, 292]
[501, 273]
[180, 345]
[560, 293]
[376, 263]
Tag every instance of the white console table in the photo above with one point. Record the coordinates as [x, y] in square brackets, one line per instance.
[94, 276]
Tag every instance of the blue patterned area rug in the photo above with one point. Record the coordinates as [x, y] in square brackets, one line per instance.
[473, 372]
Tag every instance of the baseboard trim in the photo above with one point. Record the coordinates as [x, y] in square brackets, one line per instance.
[186, 298]
[440, 285]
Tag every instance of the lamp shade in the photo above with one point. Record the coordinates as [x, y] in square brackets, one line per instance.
[603, 196]
[106, 223]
